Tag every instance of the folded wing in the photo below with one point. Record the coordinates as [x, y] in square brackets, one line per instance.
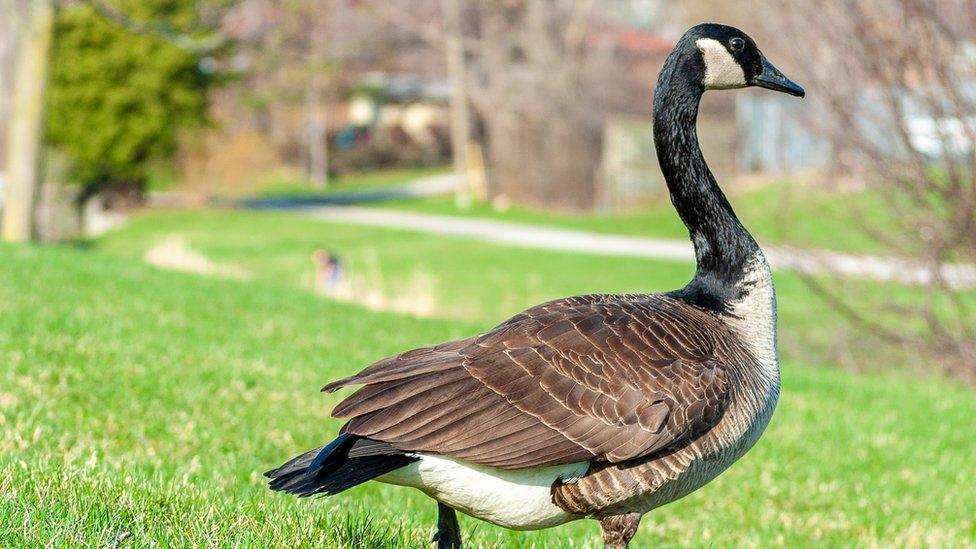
[586, 378]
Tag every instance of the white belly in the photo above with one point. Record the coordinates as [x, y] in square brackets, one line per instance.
[518, 500]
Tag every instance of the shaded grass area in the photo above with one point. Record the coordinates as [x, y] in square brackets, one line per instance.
[782, 213]
[349, 182]
[140, 406]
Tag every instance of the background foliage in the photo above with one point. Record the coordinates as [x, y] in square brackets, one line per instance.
[119, 100]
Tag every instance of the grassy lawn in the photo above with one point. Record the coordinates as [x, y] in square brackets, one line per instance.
[783, 213]
[473, 281]
[354, 181]
[141, 405]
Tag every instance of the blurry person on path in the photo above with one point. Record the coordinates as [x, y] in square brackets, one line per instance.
[328, 271]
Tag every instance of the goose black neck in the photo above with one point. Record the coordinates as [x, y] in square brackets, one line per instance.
[723, 247]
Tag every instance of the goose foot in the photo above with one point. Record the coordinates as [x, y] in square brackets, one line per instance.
[619, 529]
[448, 535]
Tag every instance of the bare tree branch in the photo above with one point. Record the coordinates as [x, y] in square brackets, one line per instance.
[184, 39]
[902, 113]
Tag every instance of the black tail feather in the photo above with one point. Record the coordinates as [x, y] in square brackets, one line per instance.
[345, 462]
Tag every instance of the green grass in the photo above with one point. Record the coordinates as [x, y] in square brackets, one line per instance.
[353, 181]
[140, 405]
[476, 281]
[782, 213]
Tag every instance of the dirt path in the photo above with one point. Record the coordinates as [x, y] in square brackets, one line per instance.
[549, 238]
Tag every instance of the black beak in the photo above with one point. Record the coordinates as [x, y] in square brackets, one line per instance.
[772, 79]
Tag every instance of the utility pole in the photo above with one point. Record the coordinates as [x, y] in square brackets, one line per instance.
[26, 123]
[460, 123]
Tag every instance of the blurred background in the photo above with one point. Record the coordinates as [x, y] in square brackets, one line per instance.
[212, 207]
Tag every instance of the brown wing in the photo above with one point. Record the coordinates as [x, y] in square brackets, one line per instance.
[607, 378]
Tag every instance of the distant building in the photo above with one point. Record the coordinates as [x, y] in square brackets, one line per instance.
[772, 135]
[410, 104]
[775, 133]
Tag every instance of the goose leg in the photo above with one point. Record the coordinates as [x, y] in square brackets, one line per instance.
[448, 534]
[618, 529]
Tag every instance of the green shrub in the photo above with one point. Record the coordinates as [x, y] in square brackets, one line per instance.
[119, 100]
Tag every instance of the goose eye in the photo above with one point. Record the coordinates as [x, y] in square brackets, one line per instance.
[737, 44]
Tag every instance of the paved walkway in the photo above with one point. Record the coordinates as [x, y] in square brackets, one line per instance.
[434, 185]
[549, 238]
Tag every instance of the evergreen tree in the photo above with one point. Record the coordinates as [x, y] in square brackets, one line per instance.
[119, 99]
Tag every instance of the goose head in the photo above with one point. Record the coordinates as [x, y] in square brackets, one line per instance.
[726, 58]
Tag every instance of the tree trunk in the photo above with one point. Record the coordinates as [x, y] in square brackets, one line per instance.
[542, 162]
[317, 140]
[460, 122]
[26, 124]
[10, 27]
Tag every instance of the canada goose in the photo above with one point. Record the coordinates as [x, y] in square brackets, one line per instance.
[596, 406]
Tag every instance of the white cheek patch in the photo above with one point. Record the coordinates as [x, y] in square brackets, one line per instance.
[722, 71]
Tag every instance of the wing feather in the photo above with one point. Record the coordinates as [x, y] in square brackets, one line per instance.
[606, 378]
